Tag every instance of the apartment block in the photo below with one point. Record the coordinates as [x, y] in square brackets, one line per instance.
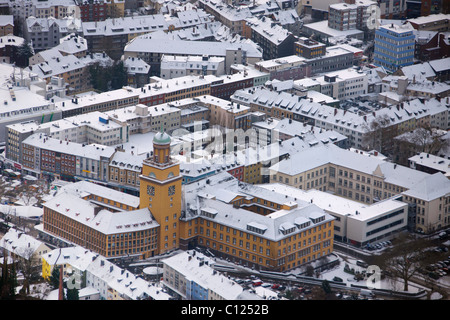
[343, 84]
[309, 48]
[429, 203]
[51, 63]
[433, 22]
[151, 49]
[233, 18]
[275, 41]
[403, 118]
[124, 171]
[58, 9]
[191, 276]
[287, 68]
[6, 25]
[46, 33]
[50, 158]
[394, 46]
[176, 66]
[111, 35]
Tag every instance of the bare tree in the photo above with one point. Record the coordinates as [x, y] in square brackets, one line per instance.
[29, 264]
[379, 134]
[405, 259]
[422, 139]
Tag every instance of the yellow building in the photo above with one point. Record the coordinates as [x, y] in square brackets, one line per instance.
[74, 261]
[238, 221]
[251, 227]
[101, 219]
[160, 191]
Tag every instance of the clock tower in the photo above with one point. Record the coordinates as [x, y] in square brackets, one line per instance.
[160, 191]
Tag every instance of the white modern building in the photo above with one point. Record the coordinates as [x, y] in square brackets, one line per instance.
[355, 223]
[343, 84]
[179, 66]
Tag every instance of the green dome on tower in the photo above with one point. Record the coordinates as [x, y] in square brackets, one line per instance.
[161, 138]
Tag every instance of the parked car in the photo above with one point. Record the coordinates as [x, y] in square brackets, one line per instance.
[256, 283]
[433, 275]
[276, 286]
[361, 264]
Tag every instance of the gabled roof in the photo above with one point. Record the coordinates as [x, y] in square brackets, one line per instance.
[19, 243]
[430, 187]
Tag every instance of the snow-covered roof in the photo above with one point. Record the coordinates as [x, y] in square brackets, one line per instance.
[414, 70]
[6, 20]
[136, 66]
[147, 43]
[62, 25]
[198, 269]
[330, 154]
[21, 244]
[430, 187]
[265, 27]
[125, 25]
[72, 44]
[431, 161]
[22, 211]
[322, 27]
[11, 40]
[90, 151]
[76, 256]
[55, 64]
[337, 205]
[123, 281]
[103, 221]
[430, 18]
[208, 195]
[440, 65]
[84, 188]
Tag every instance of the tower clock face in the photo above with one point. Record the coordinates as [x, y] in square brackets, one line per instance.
[151, 190]
[171, 190]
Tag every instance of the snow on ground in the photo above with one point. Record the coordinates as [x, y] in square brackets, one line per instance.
[388, 284]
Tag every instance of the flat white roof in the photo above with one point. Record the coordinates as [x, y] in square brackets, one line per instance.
[431, 161]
